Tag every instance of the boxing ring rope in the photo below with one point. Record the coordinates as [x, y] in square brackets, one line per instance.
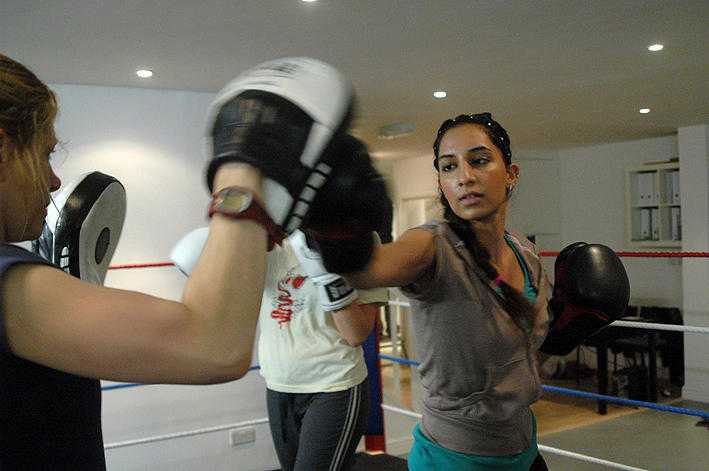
[547, 253]
[632, 324]
[643, 254]
[189, 433]
[590, 395]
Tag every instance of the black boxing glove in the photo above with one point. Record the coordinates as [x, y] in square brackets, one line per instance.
[591, 290]
[281, 117]
[350, 210]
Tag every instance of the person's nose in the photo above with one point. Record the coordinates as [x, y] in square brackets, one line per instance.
[54, 182]
[466, 174]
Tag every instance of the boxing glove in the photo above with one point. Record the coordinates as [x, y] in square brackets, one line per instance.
[352, 206]
[188, 249]
[334, 291]
[591, 290]
[83, 226]
[281, 117]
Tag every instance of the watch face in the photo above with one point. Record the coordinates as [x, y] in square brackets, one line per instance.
[234, 200]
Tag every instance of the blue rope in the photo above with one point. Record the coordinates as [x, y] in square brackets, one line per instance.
[590, 395]
[399, 360]
[553, 389]
[137, 385]
[627, 402]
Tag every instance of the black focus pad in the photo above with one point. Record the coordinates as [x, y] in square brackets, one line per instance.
[264, 130]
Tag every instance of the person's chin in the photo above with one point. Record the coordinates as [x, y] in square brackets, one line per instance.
[478, 214]
[33, 231]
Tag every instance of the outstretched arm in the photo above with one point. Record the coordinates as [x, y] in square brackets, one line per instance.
[56, 320]
[398, 263]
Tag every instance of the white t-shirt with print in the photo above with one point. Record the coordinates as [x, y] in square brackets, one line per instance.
[300, 350]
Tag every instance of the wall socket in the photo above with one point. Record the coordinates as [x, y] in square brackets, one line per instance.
[239, 436]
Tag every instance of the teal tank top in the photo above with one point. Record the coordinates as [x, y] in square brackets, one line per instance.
[529, 291]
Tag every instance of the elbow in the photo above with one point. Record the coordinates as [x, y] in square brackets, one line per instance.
[355, 339]
[228, 370]
[239, 368]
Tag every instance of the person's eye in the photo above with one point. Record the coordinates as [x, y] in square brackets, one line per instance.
[479, 161]
[448, 167]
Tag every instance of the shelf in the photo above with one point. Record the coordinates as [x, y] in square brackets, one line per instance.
[653, 213]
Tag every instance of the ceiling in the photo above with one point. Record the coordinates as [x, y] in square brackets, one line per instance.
[556, 73]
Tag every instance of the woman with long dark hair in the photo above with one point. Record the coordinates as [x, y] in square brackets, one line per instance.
[479, 304]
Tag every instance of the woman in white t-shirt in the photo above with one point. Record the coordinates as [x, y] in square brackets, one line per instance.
[312, 327]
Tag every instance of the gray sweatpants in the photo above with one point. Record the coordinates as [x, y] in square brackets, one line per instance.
[319, 431]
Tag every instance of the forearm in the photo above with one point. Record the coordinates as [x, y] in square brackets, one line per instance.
[223, 293]
[355, 322]
[396, 264]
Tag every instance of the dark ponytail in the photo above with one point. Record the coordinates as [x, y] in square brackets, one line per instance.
[512, 301]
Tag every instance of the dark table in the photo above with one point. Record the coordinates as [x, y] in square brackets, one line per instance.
[626, 339]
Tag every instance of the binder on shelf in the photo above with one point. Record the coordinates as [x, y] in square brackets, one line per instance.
[669, 191]
[655, 223]
[646, 189]
[637, 196]
[676, 223]
[642, 188]
[651, 193]
[675, 187]
[645, 227]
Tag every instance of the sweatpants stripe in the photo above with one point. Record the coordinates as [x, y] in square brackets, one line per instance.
[348, 429]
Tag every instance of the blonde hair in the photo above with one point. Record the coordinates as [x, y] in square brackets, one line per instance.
[28, 109]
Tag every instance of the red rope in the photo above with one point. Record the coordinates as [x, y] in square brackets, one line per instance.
[646, 254]
[542, 254]
[141, 265]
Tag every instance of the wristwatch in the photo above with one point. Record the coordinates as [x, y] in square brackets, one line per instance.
[236, 202]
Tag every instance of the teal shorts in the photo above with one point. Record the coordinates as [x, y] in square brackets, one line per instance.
[428, 456]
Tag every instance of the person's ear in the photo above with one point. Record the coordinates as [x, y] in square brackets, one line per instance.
[512, 177]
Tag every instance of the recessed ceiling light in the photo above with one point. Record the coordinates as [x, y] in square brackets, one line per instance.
[440, 94]
[309, 1]
[644, 110]
[655, 47]
[144, 73]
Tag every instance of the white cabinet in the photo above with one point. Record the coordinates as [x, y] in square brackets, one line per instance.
[653, 217]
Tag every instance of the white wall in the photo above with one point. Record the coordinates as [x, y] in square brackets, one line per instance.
[694, 177]
[152, 142]
[592, 183]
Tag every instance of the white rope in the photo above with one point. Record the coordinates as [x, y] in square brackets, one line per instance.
[189, 433]
[588, 459]
[548, 449]
[401, 411]
[634, 325]
[650, 325]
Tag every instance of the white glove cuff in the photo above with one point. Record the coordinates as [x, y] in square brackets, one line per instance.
[335, 293]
